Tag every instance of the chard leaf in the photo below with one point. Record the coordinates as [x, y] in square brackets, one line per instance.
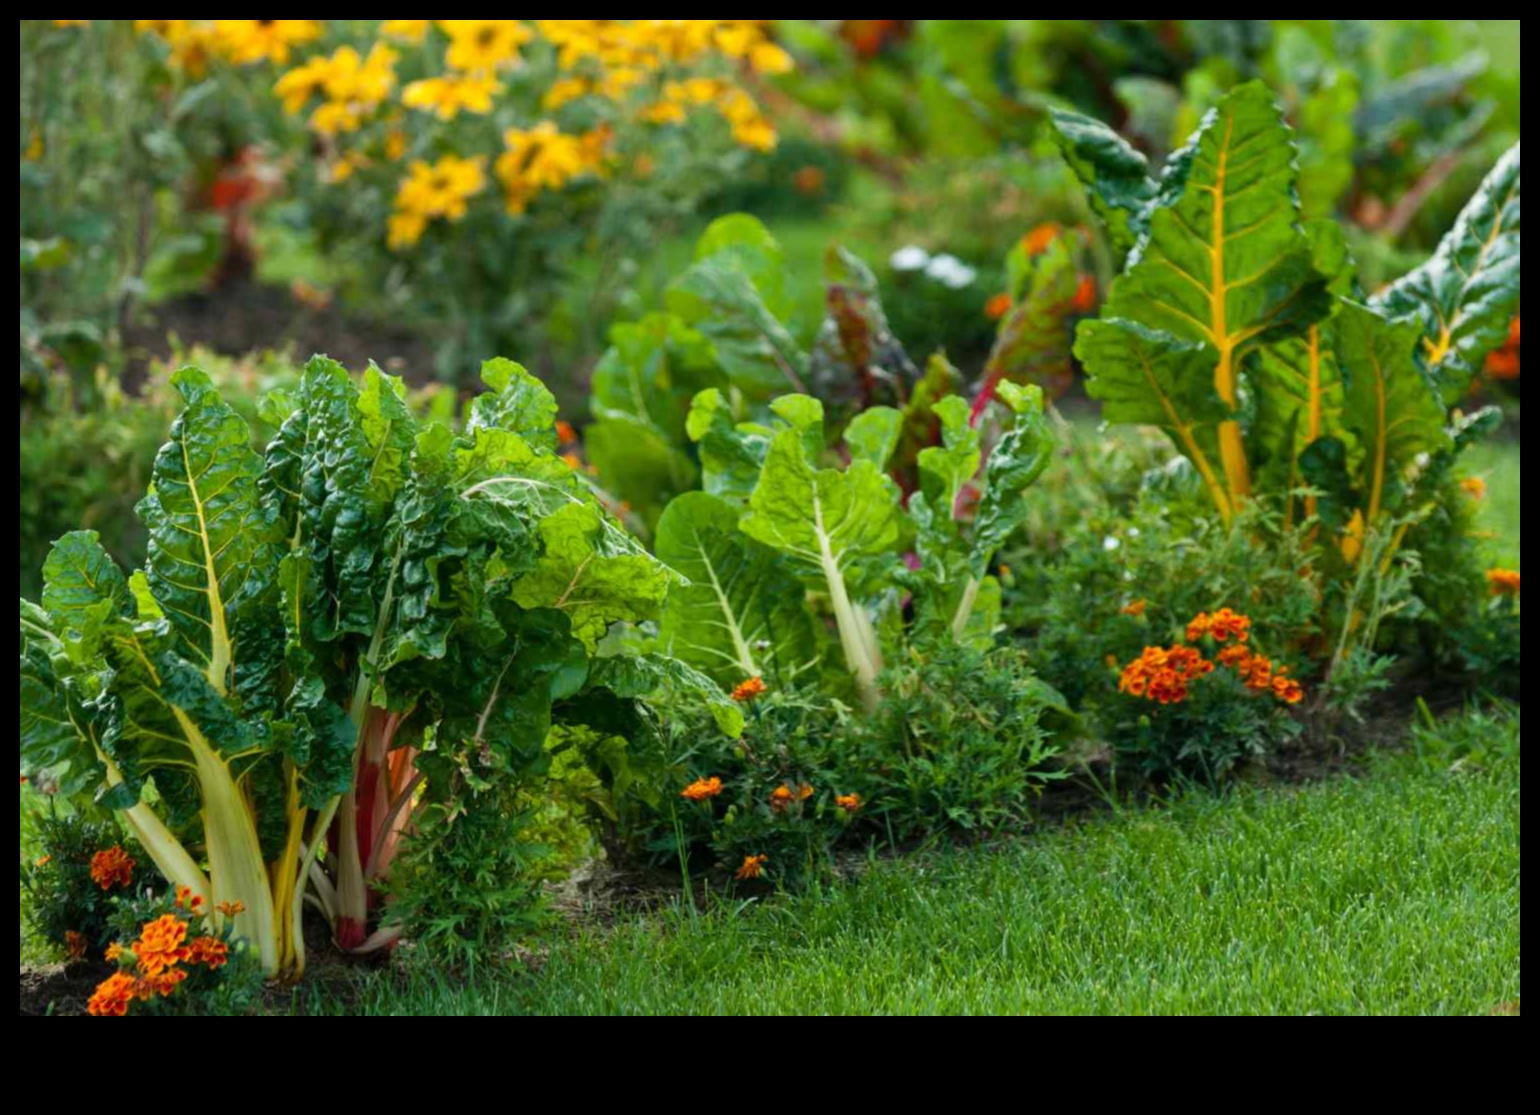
[1391, 408]
[516, 401]
[391, 430]
[742, 615]
[647, 676]
[1033, 345]
[54, 736]
[947, 469]
[1226, 266]
[857, 361]
[1147, 378]
[1016, 463]
[731, 454]
[594, 573]
[873, 435]
[729, 295]
[83, 589]
[1466, 296]
[343, 524]
[829, 522]
[208, 533]
[1116, 175]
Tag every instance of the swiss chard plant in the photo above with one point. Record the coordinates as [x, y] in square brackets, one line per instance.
[1241, 330]
[783, 521]
[375, 614]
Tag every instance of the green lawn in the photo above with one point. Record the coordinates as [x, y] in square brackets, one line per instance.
[1392, 894]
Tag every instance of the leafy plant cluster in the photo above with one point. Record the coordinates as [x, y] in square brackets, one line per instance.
[374, 618]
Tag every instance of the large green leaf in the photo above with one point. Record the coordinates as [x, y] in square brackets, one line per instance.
[1018, 460]
[208, 534]
[1147, 378]
[731, 453]
[1466, 296]
[1390, 407]
[742, 615]
[594, 573]
[639, 465]
[644, 676]
[516, 401]
[825, 519]
[1116, 175]
[1226, 265]
[83, 588]
[1034, 342]
[731, 296]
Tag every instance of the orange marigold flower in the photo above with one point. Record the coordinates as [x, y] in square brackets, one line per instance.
[753, 868]
[115, 953]
[1041, 238]
[187, 900]
[1287, 690]
[210, 953]
[1475, 487]
[850, 803]
[112, 868]
[1258, 674]
[160, 985]
[703, 790]
[566, 434]
[231, 909]
[75, 946]
[1163, 676]
[998, 306]
[43, 861]
[1237, 658]
[1504, 582]
[751, 690]
[1222, 626]
[112, 998]
[783, 798]
[1085, 295]
[1137, 609]
[162, 945]
[572, 461]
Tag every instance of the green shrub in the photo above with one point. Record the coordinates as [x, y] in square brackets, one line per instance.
[68, 892]
[958, 744]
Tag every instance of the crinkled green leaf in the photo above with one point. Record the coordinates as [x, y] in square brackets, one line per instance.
[1226, 264]
[594, 573]
[1467, 295]
[639, 677]
[83, 588]
[873, 435]
[1391, 408]
[948, 468]
[391, 428]
[1116, 175]
[730, 295]
[823, 519]
[1015, 464]
[742, 615]
[208, 535]
[731, 454]
[1147, 378]
[1034, 342]
[516, 401]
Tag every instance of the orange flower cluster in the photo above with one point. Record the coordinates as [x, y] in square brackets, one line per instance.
[998, 306]
[1165, 676]
[703, 790]
[1222, 626]
[112, 868]
[753, 868]
[751, 690]
[850, 803]
[784, 797]
[161, 957]
[1504, 582]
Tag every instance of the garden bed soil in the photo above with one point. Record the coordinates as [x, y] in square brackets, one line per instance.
[242, 316]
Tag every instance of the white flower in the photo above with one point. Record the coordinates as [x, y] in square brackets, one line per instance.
[1112, 545]
[910, 259]
[952, 272]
